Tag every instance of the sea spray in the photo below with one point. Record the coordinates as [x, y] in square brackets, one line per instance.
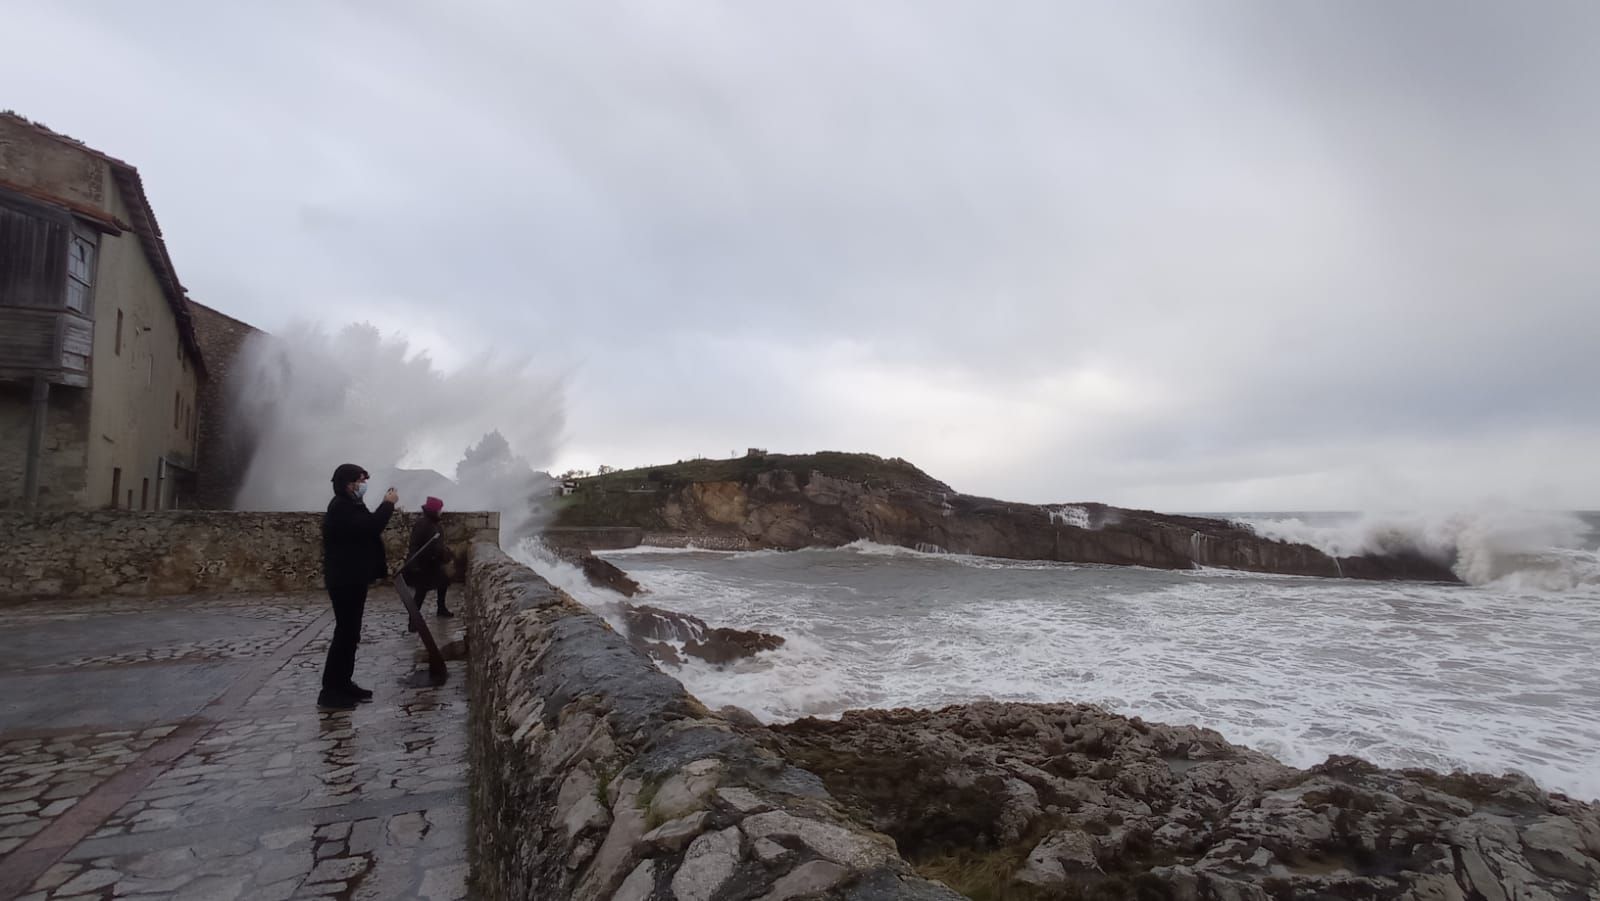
[306, 400]
[1529, 549]
[1402, 673]
[534, 554]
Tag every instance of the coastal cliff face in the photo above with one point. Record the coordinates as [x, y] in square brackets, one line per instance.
[792, 503]
[1035, 801]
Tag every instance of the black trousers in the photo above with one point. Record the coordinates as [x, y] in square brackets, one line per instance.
[438, 586]
[349, 603]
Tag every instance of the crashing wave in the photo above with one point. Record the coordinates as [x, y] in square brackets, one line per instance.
[1516, 549]
[1068, 515]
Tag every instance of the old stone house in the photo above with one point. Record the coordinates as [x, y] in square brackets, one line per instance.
[100, 370]
[226, 445]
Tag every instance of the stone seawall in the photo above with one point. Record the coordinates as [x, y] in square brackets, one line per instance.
[595, 775]
[111, 552]
[599, 538]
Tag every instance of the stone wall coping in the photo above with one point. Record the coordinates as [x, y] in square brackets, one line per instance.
[93, 553]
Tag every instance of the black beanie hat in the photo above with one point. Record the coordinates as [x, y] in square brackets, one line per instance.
[345, 474]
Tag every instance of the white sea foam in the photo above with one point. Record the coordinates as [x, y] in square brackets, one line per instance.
[533, 553]
[645, 549]
[1526, 550]
[1403, 674]
[1069, 515]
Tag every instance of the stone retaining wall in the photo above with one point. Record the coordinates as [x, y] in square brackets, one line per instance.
[598, 538]
[704, 542]
[597, 776]
[95, 553]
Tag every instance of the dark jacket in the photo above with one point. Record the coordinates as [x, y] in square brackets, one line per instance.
[427, 570]
[352, 542]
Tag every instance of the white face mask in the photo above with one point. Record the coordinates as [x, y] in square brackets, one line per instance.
[360, 489]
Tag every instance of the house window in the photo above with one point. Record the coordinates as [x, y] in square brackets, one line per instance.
[80, 273]
[119, 333]
[116, 485]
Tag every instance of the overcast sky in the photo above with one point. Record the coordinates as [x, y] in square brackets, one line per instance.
[1193, 256]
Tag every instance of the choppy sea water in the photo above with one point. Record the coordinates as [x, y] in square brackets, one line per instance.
[1492, 677]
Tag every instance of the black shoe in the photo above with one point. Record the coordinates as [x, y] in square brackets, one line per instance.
[444, 612]
[360, 694]
[335, 700]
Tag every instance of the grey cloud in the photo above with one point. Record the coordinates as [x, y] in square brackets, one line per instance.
[1311, 232]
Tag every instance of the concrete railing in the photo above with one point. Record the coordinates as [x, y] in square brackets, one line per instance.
[597, 776]
[97, 553]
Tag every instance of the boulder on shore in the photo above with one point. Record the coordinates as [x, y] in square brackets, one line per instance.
[649, 627]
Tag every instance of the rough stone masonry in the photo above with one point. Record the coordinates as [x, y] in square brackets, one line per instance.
[596, 776]
[101, 553]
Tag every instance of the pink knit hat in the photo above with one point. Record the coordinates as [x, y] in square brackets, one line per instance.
[433, 505]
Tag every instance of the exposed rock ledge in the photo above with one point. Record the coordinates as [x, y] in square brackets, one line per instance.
[1063, 800]
[828, 500]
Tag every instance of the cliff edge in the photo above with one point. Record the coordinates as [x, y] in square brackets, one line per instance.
[832, 499]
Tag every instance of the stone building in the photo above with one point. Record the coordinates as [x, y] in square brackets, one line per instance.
[225, 446]
[100, 370]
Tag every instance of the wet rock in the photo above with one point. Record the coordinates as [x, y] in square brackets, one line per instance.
[620, 849]
[841, 845]
[639, 884]
[739, 716]
[659, 651]
[809, 878]
[728, 645]
[770, 852]
[742, 800]
[673, 835]
[647, 624]
[645, 621]
[1179, 807]
[603, 574]
[685, 791]
[578, 807]
[707, 865]
[1061, 857]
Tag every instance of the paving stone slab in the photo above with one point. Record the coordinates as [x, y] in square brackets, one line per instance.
[270, 798]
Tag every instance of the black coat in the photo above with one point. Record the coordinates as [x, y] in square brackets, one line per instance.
[427, 560]
[352, 542]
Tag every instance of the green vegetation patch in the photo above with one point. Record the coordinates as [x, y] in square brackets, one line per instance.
[633, 497]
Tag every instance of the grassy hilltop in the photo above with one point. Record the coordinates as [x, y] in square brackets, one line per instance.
[633, 497]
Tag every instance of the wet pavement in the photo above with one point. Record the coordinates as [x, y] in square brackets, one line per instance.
[172, 748]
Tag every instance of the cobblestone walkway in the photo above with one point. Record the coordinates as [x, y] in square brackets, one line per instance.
[172, 749]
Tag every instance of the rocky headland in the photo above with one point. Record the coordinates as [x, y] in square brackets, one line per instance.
[833, 499]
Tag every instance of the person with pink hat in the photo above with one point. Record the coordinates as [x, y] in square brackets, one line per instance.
[427, 568]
